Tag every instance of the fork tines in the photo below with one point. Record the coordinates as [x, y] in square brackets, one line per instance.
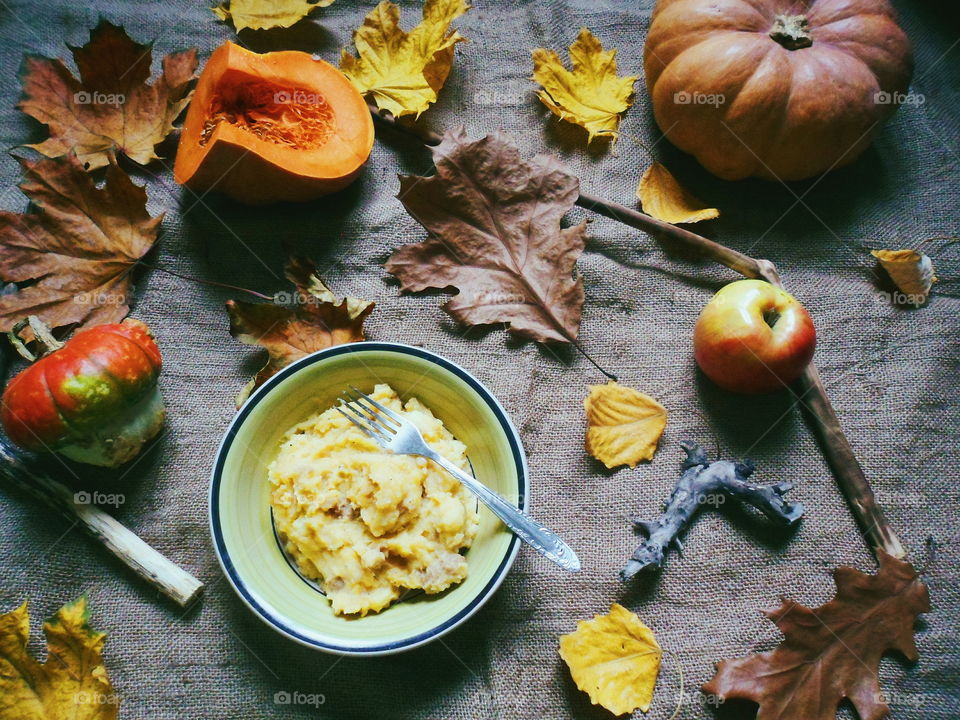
[375, 420]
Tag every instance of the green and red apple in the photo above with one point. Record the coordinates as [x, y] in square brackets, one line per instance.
[753, 337]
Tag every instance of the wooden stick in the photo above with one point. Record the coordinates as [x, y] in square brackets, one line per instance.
[813, 396]
[846, 468]
[173, 581]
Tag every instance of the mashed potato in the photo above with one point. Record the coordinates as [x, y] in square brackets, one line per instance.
[366, 523]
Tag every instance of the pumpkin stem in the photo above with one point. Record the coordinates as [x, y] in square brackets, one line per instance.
[45, 340]
[791, 31]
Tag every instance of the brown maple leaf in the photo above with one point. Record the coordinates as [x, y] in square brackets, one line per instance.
[494, 222]
[77, 242]
[111, 108]
[296, 324]
[832, 652]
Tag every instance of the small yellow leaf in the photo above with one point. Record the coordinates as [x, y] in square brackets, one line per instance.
[261, 14]
[666, 199]
[403, 72]
[623, 424]
[591, 95]
[910, 271]
[71, 683]
[615, 659]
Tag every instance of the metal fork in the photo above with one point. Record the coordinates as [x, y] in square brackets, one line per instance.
[397, 434]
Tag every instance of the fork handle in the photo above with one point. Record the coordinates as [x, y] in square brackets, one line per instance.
[542, 539]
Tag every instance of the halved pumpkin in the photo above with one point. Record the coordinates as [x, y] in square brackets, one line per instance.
[272, 127]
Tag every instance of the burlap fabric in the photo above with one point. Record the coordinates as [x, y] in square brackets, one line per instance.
[892, 374]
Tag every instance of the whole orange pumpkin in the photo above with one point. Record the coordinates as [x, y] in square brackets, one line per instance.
[777, 89]
[93, 399]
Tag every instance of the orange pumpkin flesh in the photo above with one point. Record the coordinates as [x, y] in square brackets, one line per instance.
[272, 127]
[777, 89]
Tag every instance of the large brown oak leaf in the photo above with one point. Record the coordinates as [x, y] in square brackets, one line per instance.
[494, 221]
[831, 652]
[111, 108]
[296, 324]
[77, 244]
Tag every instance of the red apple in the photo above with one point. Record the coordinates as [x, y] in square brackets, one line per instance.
[753, 337]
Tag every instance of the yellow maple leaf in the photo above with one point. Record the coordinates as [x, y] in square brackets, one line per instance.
[591, 95]
[261, 14]
[911, 272]
[664, 198]
[403, 72]
[615, 659]
[623, 424]
[71, 683]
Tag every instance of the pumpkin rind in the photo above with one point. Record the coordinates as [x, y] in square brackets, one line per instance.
[279, 126]
[744, 104]
[72, 396]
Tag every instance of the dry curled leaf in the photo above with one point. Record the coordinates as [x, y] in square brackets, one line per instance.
[296, 324]
[615, 659]
[403, 72]
[623, 425]
[112, 108]
[78, 242]
[832, 652]
[590, 95]
[72, 684]
[664, 198]
[263, 14]
[495, 235]
[911, 272]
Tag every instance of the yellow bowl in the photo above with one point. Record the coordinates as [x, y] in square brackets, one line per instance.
[240, 519]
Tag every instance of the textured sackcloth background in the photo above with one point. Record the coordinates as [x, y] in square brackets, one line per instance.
[892, 374]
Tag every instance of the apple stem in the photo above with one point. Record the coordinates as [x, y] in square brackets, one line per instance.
[813, 397]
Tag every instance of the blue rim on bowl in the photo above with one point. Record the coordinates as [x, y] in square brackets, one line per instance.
[508, 543]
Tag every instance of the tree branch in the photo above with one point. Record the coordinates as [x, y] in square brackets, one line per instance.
[706, 483]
